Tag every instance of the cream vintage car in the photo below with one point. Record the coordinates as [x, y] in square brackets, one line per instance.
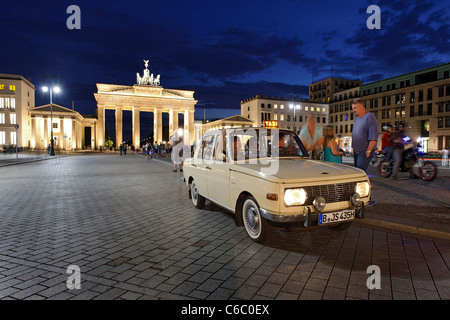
[265, 178]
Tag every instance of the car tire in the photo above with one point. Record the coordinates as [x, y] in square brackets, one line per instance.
[197, 200]
[257, 228]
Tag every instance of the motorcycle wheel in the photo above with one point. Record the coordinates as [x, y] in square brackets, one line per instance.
[428, 171]
[384, 168]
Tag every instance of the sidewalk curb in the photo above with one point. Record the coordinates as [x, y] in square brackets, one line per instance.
[404, 228]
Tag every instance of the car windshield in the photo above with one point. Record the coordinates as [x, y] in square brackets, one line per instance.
[261, 143]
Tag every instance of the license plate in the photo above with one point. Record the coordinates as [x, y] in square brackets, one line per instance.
[331, 217]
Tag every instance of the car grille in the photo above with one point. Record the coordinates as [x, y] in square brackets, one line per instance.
[331, 192]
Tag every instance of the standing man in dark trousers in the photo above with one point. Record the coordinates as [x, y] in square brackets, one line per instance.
[364, 135]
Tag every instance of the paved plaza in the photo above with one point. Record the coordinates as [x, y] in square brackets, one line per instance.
[129, 226]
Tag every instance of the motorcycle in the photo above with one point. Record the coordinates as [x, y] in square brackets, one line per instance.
[411, 158]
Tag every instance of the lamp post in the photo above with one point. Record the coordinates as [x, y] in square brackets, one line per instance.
[291, 106]
[56, 90]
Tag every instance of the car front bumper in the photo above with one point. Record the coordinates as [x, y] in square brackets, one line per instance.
[310, 218]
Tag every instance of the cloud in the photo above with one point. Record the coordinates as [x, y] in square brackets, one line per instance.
[231, 93]
[412, 35]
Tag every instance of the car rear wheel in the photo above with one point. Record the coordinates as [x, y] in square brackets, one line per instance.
[255, 225]
[197, 200]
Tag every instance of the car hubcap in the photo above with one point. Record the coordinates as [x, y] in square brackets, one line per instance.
[194, 193]
[252, 219]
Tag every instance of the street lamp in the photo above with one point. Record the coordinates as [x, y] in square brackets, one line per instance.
[56, 90]
[291, 106]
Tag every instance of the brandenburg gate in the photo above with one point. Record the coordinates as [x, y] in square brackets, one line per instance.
[145, 96]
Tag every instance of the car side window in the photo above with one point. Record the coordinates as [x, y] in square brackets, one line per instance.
[208, 147]
[220, 147]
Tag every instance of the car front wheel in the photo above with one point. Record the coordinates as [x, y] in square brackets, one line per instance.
[197, 200]
[255, 225]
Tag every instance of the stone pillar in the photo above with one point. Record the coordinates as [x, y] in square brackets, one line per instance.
[46, 139]
[157, 125]
[188, 126]
[173, 121]
[136, 133]
[33, 133]
[100, 126]
[83, 136]
[119, 126]
[93, 137]
[62, 141]
[191, 126]
[74, 135]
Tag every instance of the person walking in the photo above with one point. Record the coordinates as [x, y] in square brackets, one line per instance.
[398, 147]
[177, 151]
[364, 135]
[148, 150]
[330, 150]
[445, 161]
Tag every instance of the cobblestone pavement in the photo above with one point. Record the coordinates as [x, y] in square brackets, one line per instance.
[129, 226]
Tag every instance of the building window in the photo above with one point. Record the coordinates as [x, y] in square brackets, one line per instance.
[12, 87]
[2, 137]
[2, 87]
[2, 118]
[12, 118]
[430, 94]
[420, 110]
[13, 137]
[412, 99]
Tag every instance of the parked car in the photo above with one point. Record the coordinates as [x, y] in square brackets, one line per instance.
[265, 178]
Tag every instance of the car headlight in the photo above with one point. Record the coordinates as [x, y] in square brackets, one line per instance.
[295, 197]
[363, 189]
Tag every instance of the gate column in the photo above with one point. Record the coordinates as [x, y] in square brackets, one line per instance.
[119, 126]
[136, 128]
